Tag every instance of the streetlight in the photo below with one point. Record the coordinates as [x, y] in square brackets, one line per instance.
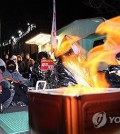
[14, 39]
[20, 32]
[28, 23]
[30, 26]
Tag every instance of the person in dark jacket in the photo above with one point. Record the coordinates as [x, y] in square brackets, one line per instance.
[27, 64]
[18, 82]
[113, 73]
[6, 94]
[20, 64]
[37, 74]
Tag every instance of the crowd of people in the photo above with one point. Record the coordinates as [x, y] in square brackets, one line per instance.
[16, 76]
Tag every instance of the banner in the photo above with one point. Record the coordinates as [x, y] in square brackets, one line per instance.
[47, 64]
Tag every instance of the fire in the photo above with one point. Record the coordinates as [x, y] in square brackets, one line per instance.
[85, 70]
[75, 65]
[96, 56]
[65, 45]
[110, 27]
[76, 90]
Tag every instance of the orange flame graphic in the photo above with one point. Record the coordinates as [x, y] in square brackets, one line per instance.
[85, 70]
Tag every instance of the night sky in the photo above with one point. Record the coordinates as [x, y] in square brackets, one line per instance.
[15, 15]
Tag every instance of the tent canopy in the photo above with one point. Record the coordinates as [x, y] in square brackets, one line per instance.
[40, 39]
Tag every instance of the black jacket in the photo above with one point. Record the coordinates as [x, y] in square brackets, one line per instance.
[112, 78]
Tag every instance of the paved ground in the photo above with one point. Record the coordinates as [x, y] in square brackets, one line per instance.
[13, 109]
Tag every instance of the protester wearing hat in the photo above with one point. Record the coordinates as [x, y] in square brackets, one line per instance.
[19, 83]
[6, 95]
[14, 58]
[13, 75]
[37, 74]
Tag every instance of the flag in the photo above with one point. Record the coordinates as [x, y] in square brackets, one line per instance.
[53, 31]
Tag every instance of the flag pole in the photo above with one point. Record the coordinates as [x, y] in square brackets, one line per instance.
[53, 31]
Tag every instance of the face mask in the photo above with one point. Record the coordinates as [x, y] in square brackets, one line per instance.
[2, 68]
[11, 69]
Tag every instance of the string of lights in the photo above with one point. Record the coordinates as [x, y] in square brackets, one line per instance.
[21, 34]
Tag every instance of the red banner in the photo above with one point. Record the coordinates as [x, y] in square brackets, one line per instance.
[47, 64]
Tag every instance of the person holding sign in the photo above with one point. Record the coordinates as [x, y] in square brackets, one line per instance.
[43, 68]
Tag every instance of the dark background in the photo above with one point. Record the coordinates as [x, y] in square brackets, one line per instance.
[16, 14]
